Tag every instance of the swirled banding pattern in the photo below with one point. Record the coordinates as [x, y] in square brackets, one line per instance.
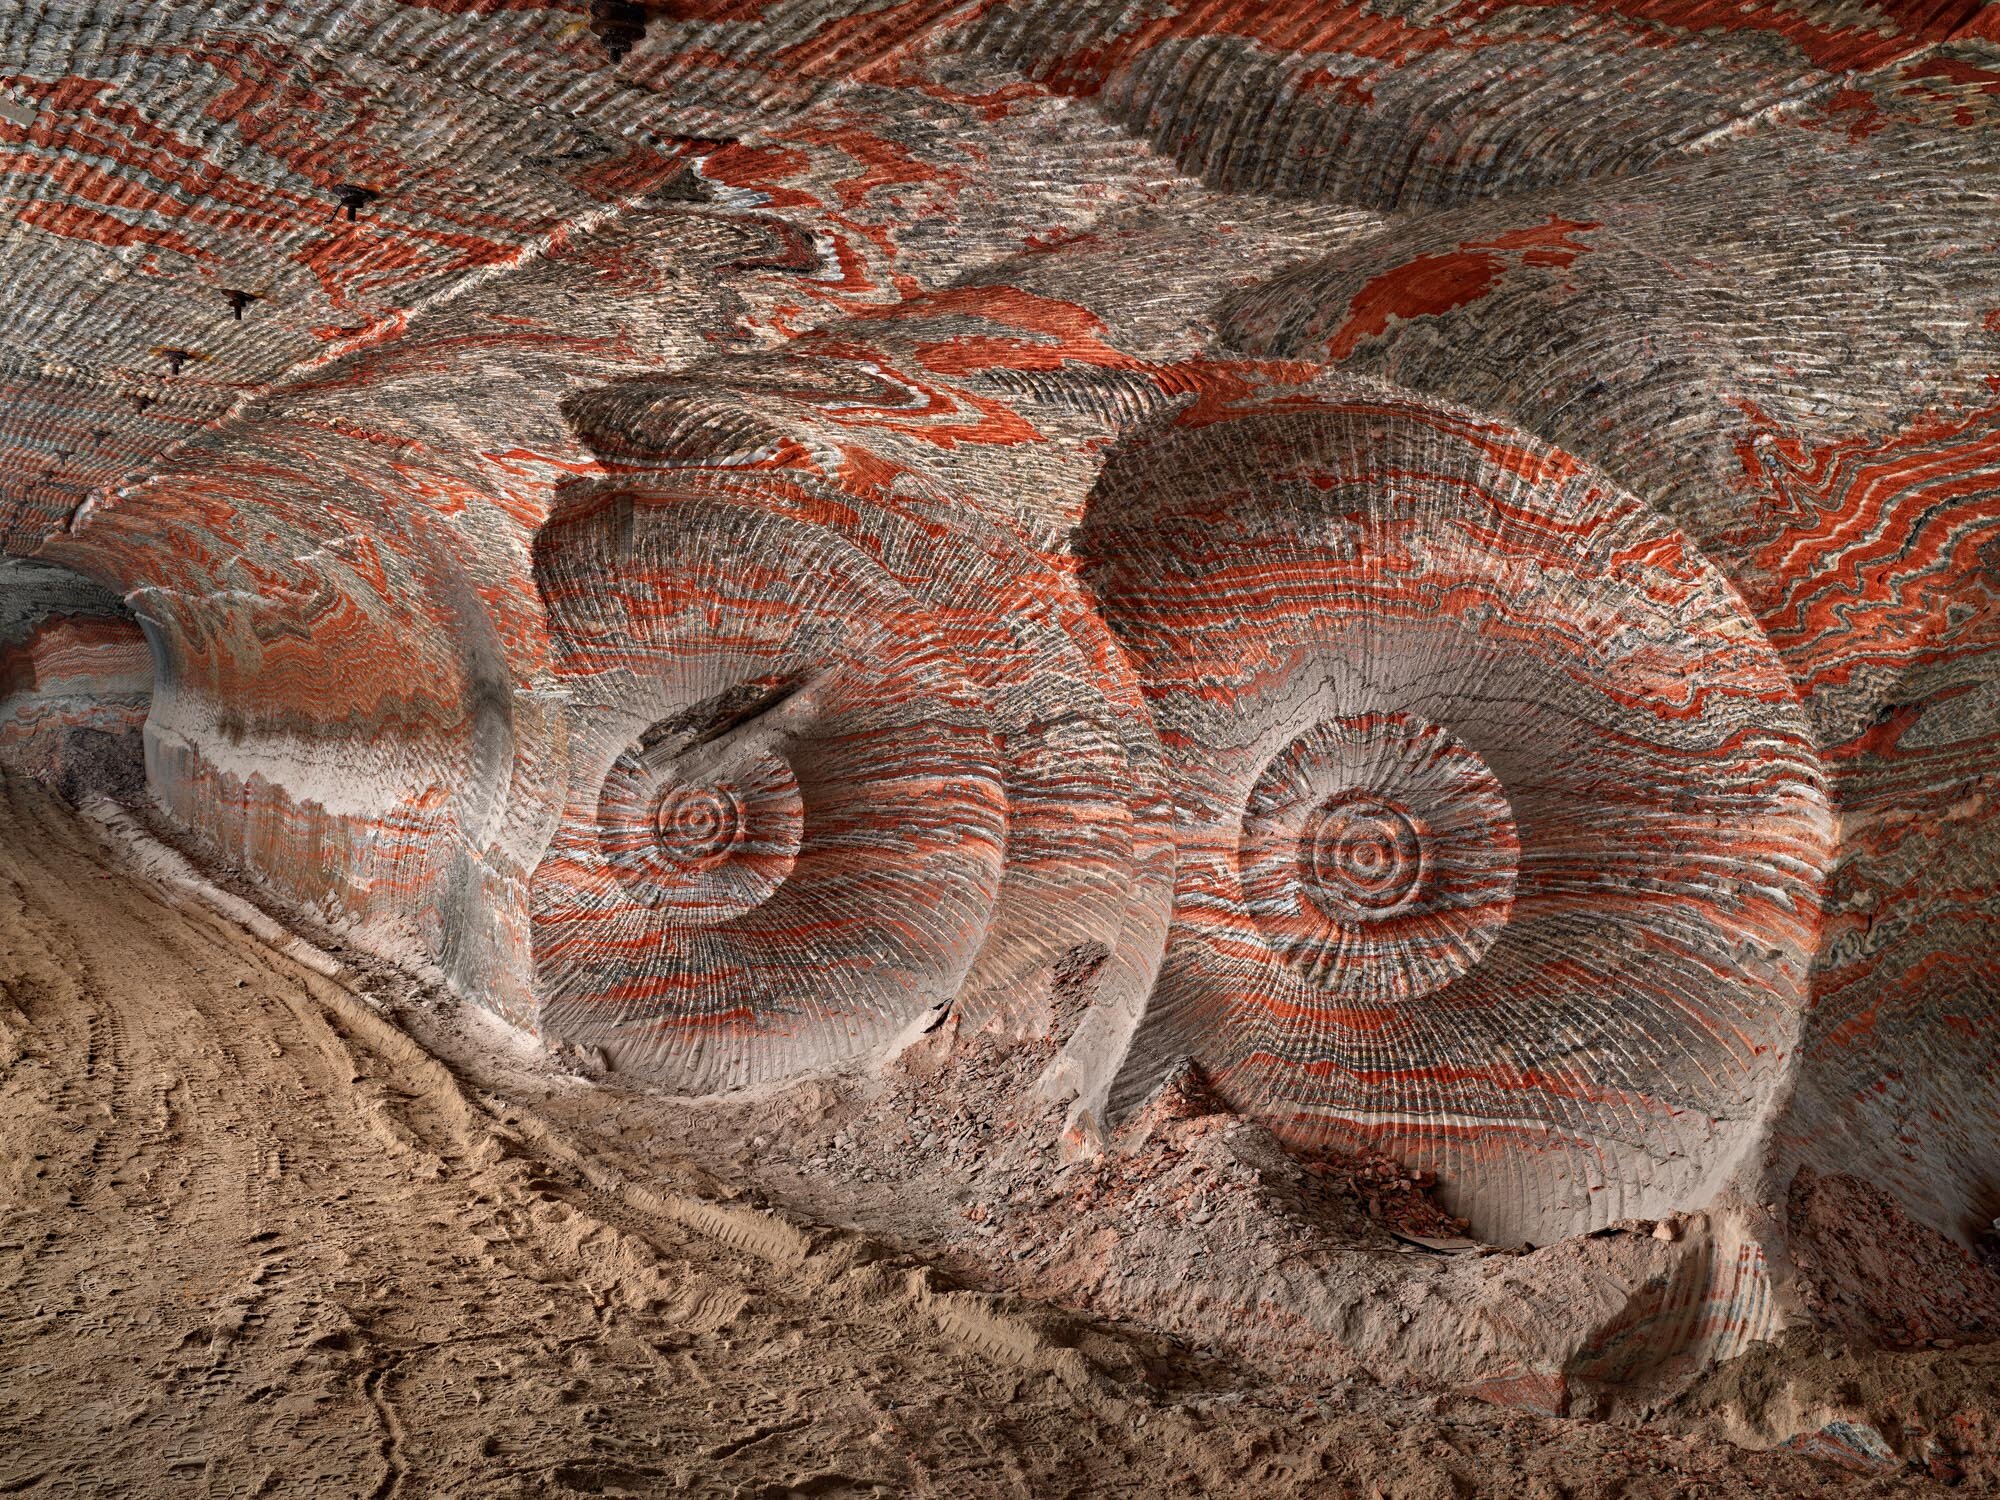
[813, 525]
[1500, 838]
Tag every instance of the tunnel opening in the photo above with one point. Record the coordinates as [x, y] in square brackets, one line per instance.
[76, 682]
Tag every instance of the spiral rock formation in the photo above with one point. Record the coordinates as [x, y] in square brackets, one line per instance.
[742, 535]
[1788, 346]
[1378, 856]
[1501, 835]
[792, 811]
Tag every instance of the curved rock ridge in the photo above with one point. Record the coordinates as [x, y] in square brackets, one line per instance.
[1400, 106]
[1436, 564]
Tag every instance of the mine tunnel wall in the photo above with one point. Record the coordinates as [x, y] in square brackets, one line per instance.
[418, 616]
[76, 681]
[366, 700]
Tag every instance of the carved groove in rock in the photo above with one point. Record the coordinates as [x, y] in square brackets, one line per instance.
[1087, 853]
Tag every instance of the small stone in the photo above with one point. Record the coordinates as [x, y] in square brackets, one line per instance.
[1667, 1230]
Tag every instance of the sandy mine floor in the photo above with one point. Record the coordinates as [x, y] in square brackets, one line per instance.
[254, 1240]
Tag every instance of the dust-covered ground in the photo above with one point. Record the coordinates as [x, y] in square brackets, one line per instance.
[256, 1240]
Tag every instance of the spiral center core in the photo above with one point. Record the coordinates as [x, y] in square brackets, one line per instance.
[1366, 853]
[699, 825]
[1377, 855]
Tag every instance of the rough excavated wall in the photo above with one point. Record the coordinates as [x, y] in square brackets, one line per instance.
[1789, 345]
[1445, 560]
[76, 678]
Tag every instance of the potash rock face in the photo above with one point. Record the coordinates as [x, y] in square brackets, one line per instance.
[1453, 565]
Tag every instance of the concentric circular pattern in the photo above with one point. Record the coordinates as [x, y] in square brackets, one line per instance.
[787, 812]
[700, 850]
[1500, 837]
[1378, 857]
[699, 825]
[1364, 858]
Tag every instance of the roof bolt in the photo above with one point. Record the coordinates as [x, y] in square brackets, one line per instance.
[354, 198]
[237, 300]
[175, 358]
[619, 26]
